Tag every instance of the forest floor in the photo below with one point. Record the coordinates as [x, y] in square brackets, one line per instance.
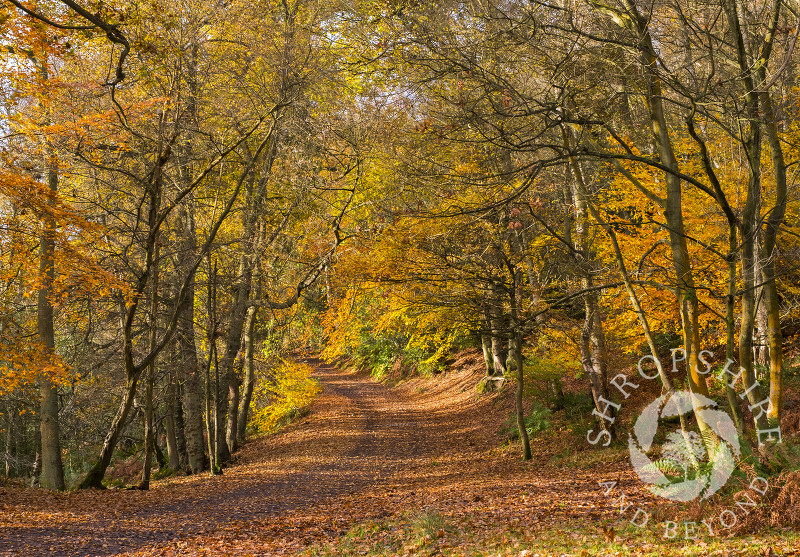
[415, 469]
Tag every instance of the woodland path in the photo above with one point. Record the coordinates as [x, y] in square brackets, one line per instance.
[365, 452]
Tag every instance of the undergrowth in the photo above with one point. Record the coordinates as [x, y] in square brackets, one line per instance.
[283, 396]
[430, 532]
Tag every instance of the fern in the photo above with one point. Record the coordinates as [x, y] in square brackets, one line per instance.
[666, 466]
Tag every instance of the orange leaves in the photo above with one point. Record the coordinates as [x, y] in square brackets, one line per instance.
[26, 363]
[644, 238]
[25, 193]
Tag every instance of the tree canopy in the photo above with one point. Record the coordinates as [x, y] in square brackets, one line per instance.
[192, 190]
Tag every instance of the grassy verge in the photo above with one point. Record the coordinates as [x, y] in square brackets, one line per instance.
[430, 532]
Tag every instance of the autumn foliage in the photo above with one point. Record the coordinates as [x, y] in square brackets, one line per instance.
[196, 198]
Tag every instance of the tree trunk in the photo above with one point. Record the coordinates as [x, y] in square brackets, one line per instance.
[637, 307]
[597, 381]
[187, 350]
[221, 454]
[749, 238]
[9, 430]
[149, 435]
[186, 236]
[520, 411]
[161, 460]
[761, 335]
[233, 415]
[249, 374]
[486, 346]
[759, 112]
[212, 384]
[173, 456]
[52, 468]
[233, 343]
[209, 411]
[229, 383]
[592, 345]
[688, 302]
[94, 478]
[236, 318]
[173, 418]
[730, 327]
[515, 349]
[499, 334]
[747, 324]
[771, 298]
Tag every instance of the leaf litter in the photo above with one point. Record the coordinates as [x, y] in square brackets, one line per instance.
[418, 468]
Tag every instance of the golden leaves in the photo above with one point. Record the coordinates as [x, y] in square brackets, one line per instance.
[288, 389]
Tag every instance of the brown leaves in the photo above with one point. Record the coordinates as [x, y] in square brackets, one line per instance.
[414, 470]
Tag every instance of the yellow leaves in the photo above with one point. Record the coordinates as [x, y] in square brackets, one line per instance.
[554, 356]
[290, 389]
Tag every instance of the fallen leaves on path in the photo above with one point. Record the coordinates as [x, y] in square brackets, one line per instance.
[365, 453]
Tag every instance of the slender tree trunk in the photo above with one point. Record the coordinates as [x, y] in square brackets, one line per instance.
[212, 383]
[94, 478]
[173, 456]
[761, 336]
[175, 460]
[730, 327]
[771, 298]
[598, 339]
[149, 436]
[637, 307]
[749, 237]
[144, 483]
[221, 454]
[775, 348]
[180, 428]
[161, 460]
[8, 417]
[688, 302]
[486, 339]
[36, 472]
[597, 381]
[486, 346]
[518, 397]
[249, 373]
[209, 411]
[592, 346]
[758, 109]
[233, 415]
[499, 333]
[52, 468]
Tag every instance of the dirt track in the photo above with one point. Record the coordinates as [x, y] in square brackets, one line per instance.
[365, 452]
